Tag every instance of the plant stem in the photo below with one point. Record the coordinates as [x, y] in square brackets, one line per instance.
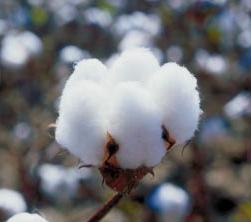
[100, 213]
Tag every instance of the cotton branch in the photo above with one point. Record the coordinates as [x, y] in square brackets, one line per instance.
[101, 212]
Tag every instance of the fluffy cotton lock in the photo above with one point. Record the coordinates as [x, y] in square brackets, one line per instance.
[135, 124]
[81, 126]
[175, 90]
[26, 217]
[87, 69]
[136, 64]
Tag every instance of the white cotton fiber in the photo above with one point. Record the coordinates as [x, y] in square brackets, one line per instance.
[135, 124]
[134, 65]
[87, 69]
[11, 202]
[175, 91]
[81, 125]
[26, 217]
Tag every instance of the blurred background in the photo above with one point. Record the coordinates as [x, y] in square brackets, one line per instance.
[209, 180]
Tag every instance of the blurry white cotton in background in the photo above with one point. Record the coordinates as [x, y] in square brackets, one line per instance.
[59, 182]
[238, 106]
[174, 53]
[214, 64]
[212, 129]
[26, 217]
[70, 54]
[171, 202]
[178, 4]
[200, 58]
[244, 38]
[65, 14]
[3, 27]
[22, 130]
[31, 42]
[97, 16]
[149, 23]
[135, 38]
[19, 47]
[11, 202]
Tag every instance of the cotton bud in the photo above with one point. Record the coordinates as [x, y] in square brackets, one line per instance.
[124, 118]
[26, 217]
[171, 202]
[11, 202]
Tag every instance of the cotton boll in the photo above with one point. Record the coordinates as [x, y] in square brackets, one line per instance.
[59, 182]
[72, 53]
[31, 42]
[134, 65]
[174, 89]
[97, 16]
[13, 54]
[26, 217]
[11, 202]
[171, 202]
[135, 124]
[17, 48]
[134, 39]
[81, 126]
[87, 69]
[137, 21]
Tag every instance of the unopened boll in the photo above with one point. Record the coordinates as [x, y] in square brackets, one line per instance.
[131, 102]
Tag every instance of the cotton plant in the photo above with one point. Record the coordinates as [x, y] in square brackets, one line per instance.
[124, 118]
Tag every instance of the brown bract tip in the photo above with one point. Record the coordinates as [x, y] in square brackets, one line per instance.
[167, 138]
[118, 179]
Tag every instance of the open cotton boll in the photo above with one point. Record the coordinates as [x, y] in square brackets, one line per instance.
[13, 53]
[135, 124]
[32, 42]
[26, 217]
[11, 202]
[171, 202]
[81, 123]
[174, 89]
[134, 65]
[59, 182]
[87, 69]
